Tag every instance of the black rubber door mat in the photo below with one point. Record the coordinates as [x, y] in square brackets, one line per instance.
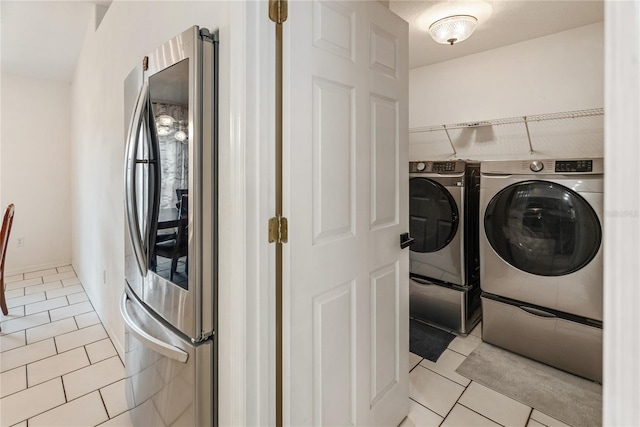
[426, 341]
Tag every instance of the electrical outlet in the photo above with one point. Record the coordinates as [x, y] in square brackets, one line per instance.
[20, 241]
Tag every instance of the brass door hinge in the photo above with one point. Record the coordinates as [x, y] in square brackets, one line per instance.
[278, 230]
[278, 10]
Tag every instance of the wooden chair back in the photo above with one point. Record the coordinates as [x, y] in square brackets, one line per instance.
[7, 222]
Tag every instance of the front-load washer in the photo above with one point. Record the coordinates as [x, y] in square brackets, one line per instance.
[444, 260]
[541, 260]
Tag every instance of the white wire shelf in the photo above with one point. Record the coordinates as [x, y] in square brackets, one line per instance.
[525, 120]
[511, 120]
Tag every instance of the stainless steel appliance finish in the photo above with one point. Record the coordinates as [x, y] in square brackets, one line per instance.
[165, 372]
[171, 213]
[551, 225]
[444, 265]
[540, 335]
[454, 309]
[541, 260]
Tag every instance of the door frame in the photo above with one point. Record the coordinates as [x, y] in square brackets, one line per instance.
[621, 392]
[246, 346]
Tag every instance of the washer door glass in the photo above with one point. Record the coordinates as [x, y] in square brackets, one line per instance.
[433, 215]
[542, 228]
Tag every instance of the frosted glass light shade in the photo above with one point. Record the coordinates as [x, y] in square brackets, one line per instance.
[180, 135]
[163, 130]
[453, 29]
[165, 120]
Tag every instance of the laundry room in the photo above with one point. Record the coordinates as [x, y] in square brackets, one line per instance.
[506, 147]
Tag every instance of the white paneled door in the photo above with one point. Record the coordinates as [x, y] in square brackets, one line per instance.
[346, 197]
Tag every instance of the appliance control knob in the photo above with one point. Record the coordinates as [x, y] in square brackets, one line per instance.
[420, 166]
[536, 166]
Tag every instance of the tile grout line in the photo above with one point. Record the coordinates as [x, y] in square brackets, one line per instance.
[529, 417]
[66, 373]
[64, 389]
[44, 324]
[98, 389]
[428, 409]
[461, 354]
[40, 413]
[48, 311]
[49, 379]
[57, 354]
[443, 376]
[55, 343]
[417, 364]
[104, 404]
[87, 353]
[26, 376]
[449, 379]
[485, 416]
[540, 422]
[456, 402]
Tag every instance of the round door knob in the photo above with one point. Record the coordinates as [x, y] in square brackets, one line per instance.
[420, 166]
[536, 166]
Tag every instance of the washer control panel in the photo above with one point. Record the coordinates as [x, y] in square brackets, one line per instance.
[436, 167]
[536, 166]
[574, 165]
[444, 167]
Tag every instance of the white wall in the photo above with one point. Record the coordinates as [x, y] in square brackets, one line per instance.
[556, 73]
[621, 384]
[35, 168]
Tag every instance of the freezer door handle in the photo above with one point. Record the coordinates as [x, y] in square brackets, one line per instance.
[130, 178]
[161, 347]
[421, 281]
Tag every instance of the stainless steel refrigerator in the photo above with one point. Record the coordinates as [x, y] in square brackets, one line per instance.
[169, 303]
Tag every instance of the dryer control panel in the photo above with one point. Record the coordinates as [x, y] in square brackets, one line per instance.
[574, 165]
[592, 166]
[437, 167]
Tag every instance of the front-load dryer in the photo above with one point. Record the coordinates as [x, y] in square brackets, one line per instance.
[541, 260]
[444, 263]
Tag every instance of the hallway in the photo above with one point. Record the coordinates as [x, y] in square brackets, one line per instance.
[58, 365]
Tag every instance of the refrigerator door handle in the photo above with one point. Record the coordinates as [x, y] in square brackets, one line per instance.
[161, 347]
[130, 178]
[421, 281]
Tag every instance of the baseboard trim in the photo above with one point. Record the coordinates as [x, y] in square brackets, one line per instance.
[37, 267]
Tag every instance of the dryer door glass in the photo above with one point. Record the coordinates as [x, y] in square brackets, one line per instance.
[433, 215]
[542, 228]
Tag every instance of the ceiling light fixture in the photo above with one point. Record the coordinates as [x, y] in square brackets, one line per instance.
[165, 120]
[163, 130]
[453, 29]
[180, 136]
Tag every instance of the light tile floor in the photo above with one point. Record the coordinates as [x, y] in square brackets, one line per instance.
[442, 397]
[58, 366]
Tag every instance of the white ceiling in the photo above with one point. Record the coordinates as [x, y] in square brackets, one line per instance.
[509, 21]
[44, 38]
